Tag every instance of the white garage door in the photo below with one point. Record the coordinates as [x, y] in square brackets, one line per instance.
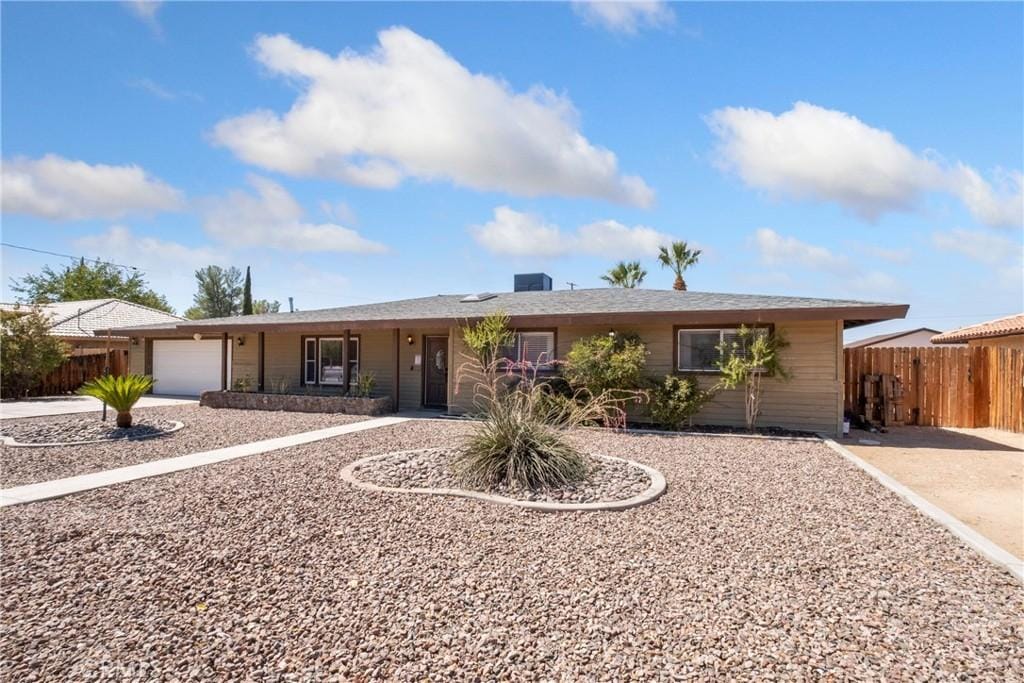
[185, 367]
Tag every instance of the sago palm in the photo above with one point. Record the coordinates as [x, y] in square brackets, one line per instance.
[626, 275]
[678, 257]
[120, 393]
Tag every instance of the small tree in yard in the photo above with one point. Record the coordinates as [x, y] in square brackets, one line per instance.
[28, 351]
[119, 392]
[746, 361]
[676, 400]
[612, 362]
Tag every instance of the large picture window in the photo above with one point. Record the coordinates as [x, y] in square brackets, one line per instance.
[697, 350]
[323, 362]
[536, 348]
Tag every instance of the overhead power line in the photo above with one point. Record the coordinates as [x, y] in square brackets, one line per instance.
[70, 256]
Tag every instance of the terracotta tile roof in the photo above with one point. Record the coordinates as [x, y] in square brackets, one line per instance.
[1001, 327]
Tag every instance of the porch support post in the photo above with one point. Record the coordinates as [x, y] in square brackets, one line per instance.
[259, 361]
[345, 379]
[396, 349]
[224, 361]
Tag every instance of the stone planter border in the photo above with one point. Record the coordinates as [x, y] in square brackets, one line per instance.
[653, 492]
[9, 441]
[296, 403]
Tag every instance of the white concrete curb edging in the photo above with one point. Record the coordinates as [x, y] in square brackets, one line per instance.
[652, 493]
[57, 488]
[9, 441]
[972, 538]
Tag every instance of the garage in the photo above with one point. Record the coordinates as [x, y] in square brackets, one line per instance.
[185, 367]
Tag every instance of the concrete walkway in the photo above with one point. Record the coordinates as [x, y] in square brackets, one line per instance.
[62, 487]
[66, 405]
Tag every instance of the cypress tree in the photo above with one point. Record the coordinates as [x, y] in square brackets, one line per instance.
[247, 294]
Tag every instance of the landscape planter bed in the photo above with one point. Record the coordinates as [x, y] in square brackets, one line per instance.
[296, 403]
[81, 431]
[613, 483]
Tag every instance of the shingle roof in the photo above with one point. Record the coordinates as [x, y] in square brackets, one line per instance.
[83, 318]
[888, 336]
[1001, 327]
[609, 301]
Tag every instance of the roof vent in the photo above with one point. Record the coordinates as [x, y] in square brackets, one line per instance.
[532, 282]
[482, 296]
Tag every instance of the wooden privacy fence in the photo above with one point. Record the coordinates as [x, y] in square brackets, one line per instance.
[946, 386]
[77, 370]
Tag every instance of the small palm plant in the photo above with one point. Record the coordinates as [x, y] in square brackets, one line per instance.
[678, 257]
[626, 275]
[120, 393]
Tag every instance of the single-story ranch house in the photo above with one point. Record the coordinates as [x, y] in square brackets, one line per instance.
[413, 347]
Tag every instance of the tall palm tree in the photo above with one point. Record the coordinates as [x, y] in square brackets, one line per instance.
[627, 275]
[679, 257]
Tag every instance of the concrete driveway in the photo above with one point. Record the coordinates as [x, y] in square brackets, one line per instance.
[65, 405]
[976, 475]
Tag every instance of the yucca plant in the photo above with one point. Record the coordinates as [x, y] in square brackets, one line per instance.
[120, 393]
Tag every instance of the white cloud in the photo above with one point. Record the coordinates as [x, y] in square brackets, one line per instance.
[626, 16]
[776, 250]
[161, 92]
[515, 233]
[810, 152]
[979, 246]
[120, 243]
[62, 189]
[407, 109]
[272, 218]
[780, 251]
[145, 11]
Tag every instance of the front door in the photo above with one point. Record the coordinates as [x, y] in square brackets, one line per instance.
[435, 372]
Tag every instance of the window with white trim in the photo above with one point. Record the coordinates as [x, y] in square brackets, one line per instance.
[323, 364]
[535, 348]
[697, 350]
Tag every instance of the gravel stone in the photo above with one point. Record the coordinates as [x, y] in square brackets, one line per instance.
[84, 429]
[205, 429]
[764, 560]
[607, 480]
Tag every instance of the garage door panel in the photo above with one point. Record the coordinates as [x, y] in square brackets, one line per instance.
[186, 367]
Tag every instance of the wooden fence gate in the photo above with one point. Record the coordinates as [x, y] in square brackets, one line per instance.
[77, 370]
[946, 386]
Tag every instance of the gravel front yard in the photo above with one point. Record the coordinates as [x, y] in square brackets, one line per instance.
[205, 429]
[765, 559]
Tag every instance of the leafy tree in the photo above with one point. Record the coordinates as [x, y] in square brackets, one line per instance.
[247, 293]
[29, 351]
[746, 360]
[219, 293]
[264, 306]
[678, 257]
[606, 363]
[627, 275]
[88, 281]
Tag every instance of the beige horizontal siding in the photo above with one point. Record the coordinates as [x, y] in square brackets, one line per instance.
[810, 401]
[137, 358]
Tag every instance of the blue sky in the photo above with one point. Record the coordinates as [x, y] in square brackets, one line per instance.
[359, 152]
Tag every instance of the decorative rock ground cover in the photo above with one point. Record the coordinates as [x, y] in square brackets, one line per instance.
[85, 430]
[207, 429]
[764, 560]
[609, 479]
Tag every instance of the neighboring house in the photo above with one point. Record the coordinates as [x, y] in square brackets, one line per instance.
[1005, 332]
[414, 347]
[76, 322]
[922, 336]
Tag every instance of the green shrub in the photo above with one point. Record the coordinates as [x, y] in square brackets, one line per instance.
[606, 363]
[120, 393]
[676, 400]
[745, 361]
[29, 352]
[365, 382]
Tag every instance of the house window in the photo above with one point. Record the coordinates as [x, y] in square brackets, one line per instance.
[533, 348]
[322, 360]
[697, 350]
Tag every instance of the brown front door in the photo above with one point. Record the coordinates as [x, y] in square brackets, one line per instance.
[435, 372]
